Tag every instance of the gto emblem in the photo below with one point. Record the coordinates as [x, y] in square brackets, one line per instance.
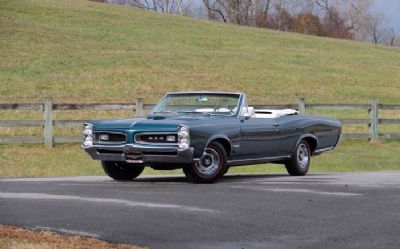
[104, 137]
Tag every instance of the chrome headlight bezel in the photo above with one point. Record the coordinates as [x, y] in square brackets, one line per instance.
[183, 137]
[87, 135]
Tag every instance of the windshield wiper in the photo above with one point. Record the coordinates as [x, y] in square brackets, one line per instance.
[165, 112]
[196, 112]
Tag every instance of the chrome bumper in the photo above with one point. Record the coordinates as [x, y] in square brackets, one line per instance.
[136, 153]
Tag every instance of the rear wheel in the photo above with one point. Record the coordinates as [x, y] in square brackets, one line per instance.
[210, 167]
[299, 163]
[226, 171]
[122, 170]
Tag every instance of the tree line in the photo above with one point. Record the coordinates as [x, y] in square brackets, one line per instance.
[342, 19]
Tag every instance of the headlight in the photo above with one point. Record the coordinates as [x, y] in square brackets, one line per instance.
[88, 135]
[183, 137]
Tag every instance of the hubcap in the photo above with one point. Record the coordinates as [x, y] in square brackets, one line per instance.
[209, 162]
[302, 156]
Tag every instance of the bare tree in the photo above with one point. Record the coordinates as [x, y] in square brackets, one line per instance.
[355, 13]
[397, 42]
[166, 6]
[308, 23]
[344, 19]
[215, 6]
[348, 18]
[234, 11]
[393, 37]
[374, 28]
[261, 14]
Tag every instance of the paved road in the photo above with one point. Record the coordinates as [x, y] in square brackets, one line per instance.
[253, 211]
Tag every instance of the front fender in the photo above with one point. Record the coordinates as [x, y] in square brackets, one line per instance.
[217, 136]
[201, 146]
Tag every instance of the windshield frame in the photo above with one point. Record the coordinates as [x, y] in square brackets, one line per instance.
[222, 94]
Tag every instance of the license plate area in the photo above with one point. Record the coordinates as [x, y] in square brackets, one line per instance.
[134, 158]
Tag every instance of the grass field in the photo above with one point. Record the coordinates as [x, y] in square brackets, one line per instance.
[86, 51]
[81, 51]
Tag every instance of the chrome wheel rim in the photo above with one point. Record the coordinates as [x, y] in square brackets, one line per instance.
[209, 162]
[303, 156]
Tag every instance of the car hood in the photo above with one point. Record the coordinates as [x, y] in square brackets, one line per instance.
[152, 123]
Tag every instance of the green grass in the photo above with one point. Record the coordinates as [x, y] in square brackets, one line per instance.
[89, 52]
[70, 160]
[81, 51]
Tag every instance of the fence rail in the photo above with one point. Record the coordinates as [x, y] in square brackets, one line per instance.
[48, 123]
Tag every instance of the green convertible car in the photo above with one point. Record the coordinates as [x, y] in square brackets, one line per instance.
[205, 133]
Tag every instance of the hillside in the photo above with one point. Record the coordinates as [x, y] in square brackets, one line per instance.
[90, 52]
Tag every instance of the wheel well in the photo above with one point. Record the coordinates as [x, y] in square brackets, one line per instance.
[225, 143]
[312, 142]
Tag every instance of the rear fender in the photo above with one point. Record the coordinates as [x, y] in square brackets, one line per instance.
[307, 136]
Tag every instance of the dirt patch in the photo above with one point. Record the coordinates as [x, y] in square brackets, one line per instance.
[13, 237]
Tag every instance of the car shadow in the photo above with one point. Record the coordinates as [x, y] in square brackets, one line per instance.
[226, 178]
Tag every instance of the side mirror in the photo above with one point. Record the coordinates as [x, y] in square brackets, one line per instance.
[245, 116]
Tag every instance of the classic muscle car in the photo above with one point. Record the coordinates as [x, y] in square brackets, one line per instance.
[205, 133]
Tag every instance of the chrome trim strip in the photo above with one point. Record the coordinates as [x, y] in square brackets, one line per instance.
[134, 161]
[252, 160]
[206, 92]
[121, 147]
[136, 140]
[323, 150]
[261, 158]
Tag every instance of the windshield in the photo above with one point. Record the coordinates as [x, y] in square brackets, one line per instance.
[198, 103]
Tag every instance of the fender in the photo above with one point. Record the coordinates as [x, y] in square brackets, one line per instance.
[306, 136]
[220, 136]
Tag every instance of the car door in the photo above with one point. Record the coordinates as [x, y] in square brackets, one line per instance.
[259, 138]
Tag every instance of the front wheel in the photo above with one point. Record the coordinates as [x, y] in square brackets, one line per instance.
[210, 167]
[122, 170]
[299, 163]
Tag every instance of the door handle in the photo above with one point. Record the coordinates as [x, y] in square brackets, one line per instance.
[275, 125]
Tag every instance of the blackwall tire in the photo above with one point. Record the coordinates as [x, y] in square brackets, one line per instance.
[210, 168]
[299, 163]
[226, 171]
[122, 170]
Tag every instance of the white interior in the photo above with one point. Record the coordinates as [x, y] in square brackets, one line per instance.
[268, 113]
[262, 113]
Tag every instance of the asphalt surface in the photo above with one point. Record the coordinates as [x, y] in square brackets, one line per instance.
[252, 211]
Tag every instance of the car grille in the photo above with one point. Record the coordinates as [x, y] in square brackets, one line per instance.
[106, 137]
[156, 138]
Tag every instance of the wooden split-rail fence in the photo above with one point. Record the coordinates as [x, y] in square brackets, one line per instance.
[48, 123]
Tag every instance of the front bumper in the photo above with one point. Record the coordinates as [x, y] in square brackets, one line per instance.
[136, 153]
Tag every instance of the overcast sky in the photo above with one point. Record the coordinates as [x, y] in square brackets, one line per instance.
[391, 10]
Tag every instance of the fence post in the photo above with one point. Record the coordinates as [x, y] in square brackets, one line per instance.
[48, 123]
[302, 106]
[139, 107]
[374, 120]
